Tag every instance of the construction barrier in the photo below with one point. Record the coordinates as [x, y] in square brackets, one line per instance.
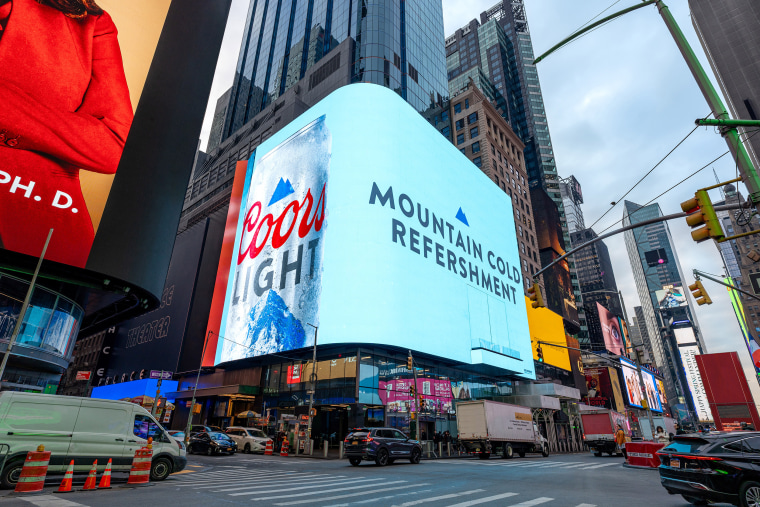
[32, 478]
[285, 447]
[643, 454]
[65, 486]
[139, 475]
[269, 449]
[105, 481]
[91, 484]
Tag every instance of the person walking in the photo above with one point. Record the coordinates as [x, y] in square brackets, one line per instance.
[620, 440]
[661, 436]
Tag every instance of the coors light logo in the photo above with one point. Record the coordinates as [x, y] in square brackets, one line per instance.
[278, 277]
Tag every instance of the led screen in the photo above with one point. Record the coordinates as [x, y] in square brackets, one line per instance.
[694, 378]
[613, 336]
[67, 111]
[685, 336]
[634, 393]
[670, 297]
[361, 220]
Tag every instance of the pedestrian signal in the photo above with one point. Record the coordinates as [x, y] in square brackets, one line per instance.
[702, 217]
[700, 294]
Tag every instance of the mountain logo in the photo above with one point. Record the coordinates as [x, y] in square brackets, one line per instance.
[462, 218]
[272, 327]
[284, 189]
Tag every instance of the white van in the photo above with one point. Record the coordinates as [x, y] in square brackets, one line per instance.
[83, 430]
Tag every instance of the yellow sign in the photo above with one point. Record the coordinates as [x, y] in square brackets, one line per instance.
[523, 417]
[546, 327]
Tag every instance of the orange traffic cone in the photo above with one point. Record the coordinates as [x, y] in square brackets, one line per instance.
[285, 447]
[32, 478]
[91, 484]
[268, 450]
[65, 486]
[105, 481]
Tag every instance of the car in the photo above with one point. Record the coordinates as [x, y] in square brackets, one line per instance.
[248, 439]
[381, 445]
[179, 436]
[713, 467]
[211, 442]
[199, 428]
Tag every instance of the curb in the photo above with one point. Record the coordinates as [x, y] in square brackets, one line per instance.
[626, 465]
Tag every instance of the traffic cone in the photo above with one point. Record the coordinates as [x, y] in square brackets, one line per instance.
[139, 475]
[105, 481]
[268, 450]
[91, 484]
[32, 478]
[65, 486]
[285, 447]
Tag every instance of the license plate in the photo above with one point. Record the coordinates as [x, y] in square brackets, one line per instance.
[675, 463]
[229, 448]
[354, 443]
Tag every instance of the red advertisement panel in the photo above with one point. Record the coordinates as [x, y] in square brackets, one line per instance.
[727, 391]
[395, 394]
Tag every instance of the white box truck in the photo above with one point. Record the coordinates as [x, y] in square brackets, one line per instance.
[490, 427]
[83, 430]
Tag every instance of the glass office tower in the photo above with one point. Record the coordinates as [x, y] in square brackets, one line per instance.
[399, 45]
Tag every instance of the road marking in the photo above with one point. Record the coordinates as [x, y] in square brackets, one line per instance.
[535, 501]
[564, 464]
[406, 493]
[320, 485]
[585, 505]
[280, 482]
[275, 477]
[600, 466]
[483, 500]
[185, 472]
[312, 500]
[442, 497]
[576, 466]
[50, 501]
[199, 481]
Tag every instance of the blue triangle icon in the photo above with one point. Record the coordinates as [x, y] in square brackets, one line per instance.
[460, 216]
[284, 189]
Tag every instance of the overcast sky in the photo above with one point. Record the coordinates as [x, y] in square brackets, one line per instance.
[617, 101]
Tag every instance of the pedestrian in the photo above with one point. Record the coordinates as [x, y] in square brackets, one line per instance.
[446, 437]
[660, 436]
[620, 440]
[437, 438]
[424, 435]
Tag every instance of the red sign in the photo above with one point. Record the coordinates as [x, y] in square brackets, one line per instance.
[83, 375]
[294, 373]
[727, 391]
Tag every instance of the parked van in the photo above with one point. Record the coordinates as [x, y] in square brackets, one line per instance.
[83, 430]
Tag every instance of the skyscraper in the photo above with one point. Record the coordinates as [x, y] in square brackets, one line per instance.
[572, 198]
[728, 33]
[399, 45]
[665, 305]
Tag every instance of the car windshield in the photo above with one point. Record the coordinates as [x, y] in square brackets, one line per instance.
[215, 428]
[690, 445]
[256, 433]
[218, 436]
[358, 434]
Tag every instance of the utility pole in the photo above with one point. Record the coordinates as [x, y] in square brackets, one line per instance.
[24, 306]
[415, 398]
[154, 409]
[192, 403]
[313, 379]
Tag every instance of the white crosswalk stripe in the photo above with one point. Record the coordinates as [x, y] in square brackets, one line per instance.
[310, 494]
[585, 505]
[313, 485]
[483, 500]
[601, 466]
[269, 482]
[338, 497]
[437, 498]
[50, 501]
[531, 503]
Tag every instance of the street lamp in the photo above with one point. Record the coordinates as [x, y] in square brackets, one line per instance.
[313, 379]
[195, 388]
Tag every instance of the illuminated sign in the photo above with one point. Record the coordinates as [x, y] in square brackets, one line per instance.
[361, 219]
[670, 297]
[635, 394]
[613, 336]
[694, 378]
[685, 335]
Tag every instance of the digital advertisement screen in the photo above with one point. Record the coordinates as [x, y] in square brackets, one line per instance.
[336, 232]
[670, 297]
[67, 111]
[685, 335]
[634, 393]
[613, 336]
[661, 390]
[694, 378]
[603, 388]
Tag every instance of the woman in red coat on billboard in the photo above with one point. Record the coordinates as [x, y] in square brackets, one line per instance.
[64, 107]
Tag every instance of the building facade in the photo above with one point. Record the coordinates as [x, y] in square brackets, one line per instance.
[572, 198]
[663, 294]
[217, 125]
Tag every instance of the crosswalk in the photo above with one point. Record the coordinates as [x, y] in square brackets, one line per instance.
[286, 487]
[542, 464]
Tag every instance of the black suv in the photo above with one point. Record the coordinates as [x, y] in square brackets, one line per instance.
[381, 445]
[714, 467]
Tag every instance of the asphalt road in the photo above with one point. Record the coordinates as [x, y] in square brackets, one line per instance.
[578, 480]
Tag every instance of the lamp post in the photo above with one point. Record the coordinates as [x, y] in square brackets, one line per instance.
[195, 388]
[313, 379]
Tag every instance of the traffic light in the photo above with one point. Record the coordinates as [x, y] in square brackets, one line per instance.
[409, 363]
[411, 391]
[700, 294]
[702, 214]
[540, 353]
[534, 293]
[422, 404]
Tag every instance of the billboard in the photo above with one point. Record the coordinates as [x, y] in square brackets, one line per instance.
[613, 336]
[694, 379]
[749, 340]
[634, 394]
[670, 297]
[727, 391]
[546, 326]
[685, 335]
[604, 388]
[335, 232]
[661, 390]
[67, 112]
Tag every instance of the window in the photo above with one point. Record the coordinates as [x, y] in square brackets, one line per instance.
[476, 147]
[446, 131]
[445, 116]
[493, 150]
[477, 161]
[145, 427]
[752, 445]
[459, 124]
[467, 103]
[458, 107]
[398, 434]
[472, 118]
[460, 138]
[462, 150]
[473, 132]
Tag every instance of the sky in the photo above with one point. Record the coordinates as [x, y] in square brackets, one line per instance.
[617, 101]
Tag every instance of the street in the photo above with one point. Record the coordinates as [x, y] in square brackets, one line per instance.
[576, 480]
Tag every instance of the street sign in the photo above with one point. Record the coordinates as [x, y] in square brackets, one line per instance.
[754, 279]
[83, 375]
[158, 374]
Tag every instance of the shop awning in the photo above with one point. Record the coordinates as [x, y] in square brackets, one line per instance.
[215, 391]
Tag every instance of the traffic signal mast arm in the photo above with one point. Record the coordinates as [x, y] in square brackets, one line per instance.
[698, 274]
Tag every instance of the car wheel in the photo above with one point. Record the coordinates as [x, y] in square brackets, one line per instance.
[693, 500]
[545, 451]
[209, 451]
[415, 457]
[355, 461]
[521, 454]
[749, 494]
[509, 453]
[10, 475]
[247, 449]
[382, 457]
[598, 454]
[160, 469]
